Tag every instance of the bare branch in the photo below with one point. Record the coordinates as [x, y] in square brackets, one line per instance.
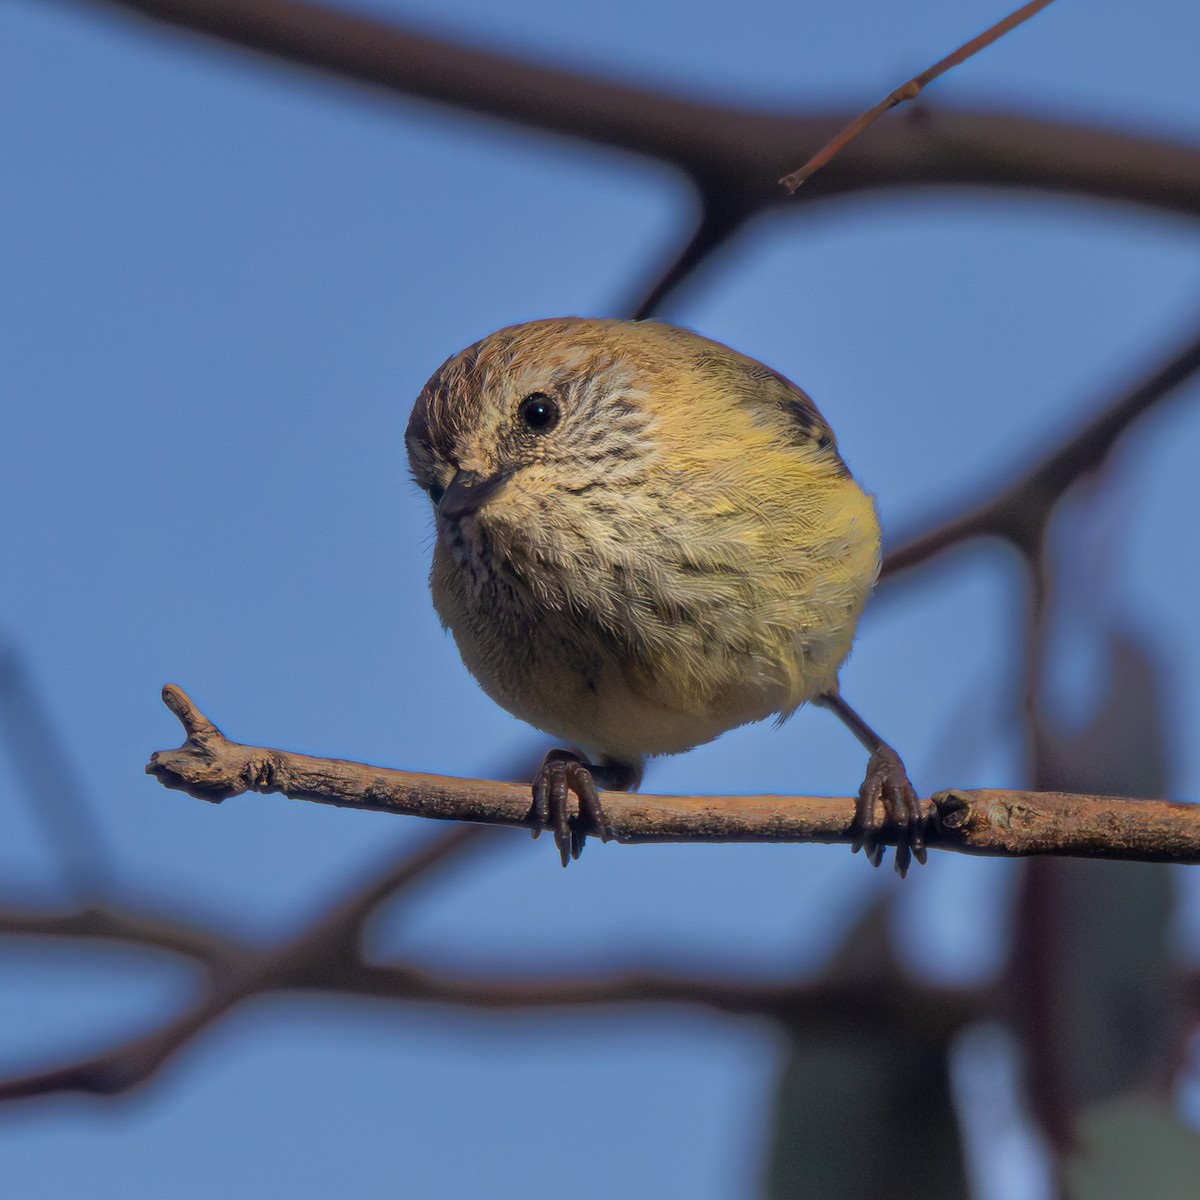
[174, 934]
[325, 955]
[733, 155]
[150, 929]
[1020, 511]
[716, 228]
[333, 941]
[311, 963]
[709, 142]
[910, 91]
[132, 1063]
[43, 765]
[799, 1002]
[125, 1066]
[994, 822]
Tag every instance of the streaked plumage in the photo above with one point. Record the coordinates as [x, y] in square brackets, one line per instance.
[684, 552]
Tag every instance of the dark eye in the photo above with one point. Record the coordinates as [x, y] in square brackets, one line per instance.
[539, 413]
[436, 492]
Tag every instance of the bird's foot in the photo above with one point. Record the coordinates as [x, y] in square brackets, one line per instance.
[887, 784]
[560, 774]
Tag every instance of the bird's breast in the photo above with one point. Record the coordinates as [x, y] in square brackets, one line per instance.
[631, 645]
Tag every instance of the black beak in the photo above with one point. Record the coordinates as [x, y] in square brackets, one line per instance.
[468, 493]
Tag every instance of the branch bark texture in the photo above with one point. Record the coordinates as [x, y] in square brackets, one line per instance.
[984, 821]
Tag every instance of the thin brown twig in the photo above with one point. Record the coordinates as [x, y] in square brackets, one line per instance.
[716, 228]
[985, 821]
[909, 91]
[147, 926]
[125, 1066]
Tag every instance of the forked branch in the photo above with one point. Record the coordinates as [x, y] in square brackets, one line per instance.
[1020, 512]
[732, 155]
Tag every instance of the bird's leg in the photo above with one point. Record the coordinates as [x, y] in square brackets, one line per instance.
[562, 773]
[886, 783]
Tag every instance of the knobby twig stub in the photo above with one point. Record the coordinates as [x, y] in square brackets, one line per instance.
[983, 821]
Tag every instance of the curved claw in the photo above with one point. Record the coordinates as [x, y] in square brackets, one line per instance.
[560, 774]
[887, 784]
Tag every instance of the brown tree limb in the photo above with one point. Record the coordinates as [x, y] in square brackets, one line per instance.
[304, 964]
[327, 958]
[985, 821]
[733, 155]
[398, 981]
[327, 955]
[146, 927]
[910, 91]
[737, 147]
[1020, 512]
[239, 971]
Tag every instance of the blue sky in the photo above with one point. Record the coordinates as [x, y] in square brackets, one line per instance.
[222, 284]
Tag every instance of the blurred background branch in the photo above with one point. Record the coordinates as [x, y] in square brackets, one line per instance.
[1021, 511]
[733, 157]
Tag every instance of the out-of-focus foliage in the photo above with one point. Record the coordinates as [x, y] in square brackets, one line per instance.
[867, 1111]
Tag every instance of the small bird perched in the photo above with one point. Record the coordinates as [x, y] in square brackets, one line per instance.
[644, 539]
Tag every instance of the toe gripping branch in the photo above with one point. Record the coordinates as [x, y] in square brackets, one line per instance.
[561, 774]
[887, 784]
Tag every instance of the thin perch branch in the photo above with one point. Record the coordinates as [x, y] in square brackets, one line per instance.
[985, 821]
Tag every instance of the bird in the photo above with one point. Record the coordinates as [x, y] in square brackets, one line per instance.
[644, 539]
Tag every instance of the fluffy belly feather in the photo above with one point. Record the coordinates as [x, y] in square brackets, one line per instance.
[622, 686]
